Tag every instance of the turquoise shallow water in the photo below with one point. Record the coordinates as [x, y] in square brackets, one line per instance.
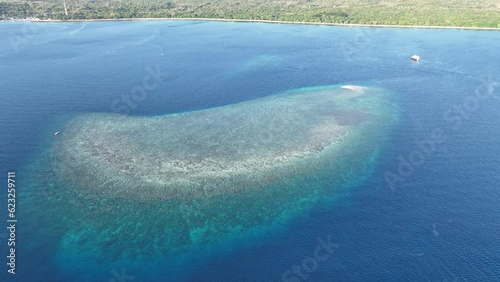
[228, 175]
[440, 223]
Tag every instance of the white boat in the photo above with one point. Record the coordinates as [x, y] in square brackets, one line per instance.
[415, 58]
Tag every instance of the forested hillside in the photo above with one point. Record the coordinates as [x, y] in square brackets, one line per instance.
[473, 13]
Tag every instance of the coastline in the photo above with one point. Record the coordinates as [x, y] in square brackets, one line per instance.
[270, 22]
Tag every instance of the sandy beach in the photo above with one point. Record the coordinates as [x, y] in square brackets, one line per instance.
[270, 21]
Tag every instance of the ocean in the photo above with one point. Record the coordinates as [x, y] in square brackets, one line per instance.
[425, 207]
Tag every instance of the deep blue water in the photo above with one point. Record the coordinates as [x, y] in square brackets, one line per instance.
[441, 223]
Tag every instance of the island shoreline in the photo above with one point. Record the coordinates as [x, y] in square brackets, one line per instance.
[266, 21]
